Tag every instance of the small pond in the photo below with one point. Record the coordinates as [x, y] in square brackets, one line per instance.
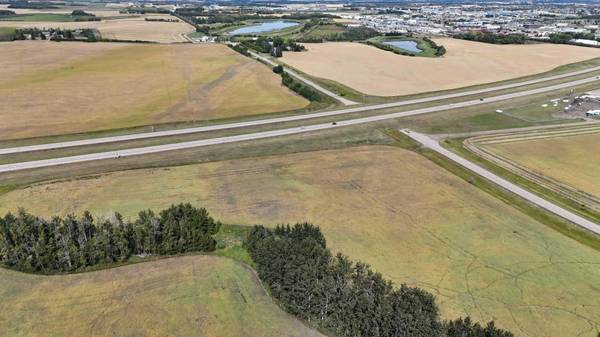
[409, 45]
[268, 26]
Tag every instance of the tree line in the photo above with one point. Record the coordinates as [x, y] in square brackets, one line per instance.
[343, 297]
[489, 37]
[274, 46]
[302, 89]
[565, 38]
[66, 244]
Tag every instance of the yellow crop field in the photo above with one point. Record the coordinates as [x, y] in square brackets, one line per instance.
[572, 159]
[126, 28]
[380, 73]
[411, 220]
[183, 296]
[58, 88]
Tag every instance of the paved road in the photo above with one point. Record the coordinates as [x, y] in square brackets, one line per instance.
[275, 133]
[563, 213]
[329, 93]
[343, 111]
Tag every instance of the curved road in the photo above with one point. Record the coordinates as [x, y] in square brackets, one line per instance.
[272, 133]
[137, 136]
[563, 213]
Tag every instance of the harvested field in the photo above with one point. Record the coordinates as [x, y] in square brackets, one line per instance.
[133, 28]
[183, 296]
[81, 87]
[569, 157]
[96, 10]
[410, 219]
[380, 73]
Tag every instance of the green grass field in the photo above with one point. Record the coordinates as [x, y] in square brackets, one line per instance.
[411, 220]
[7, 33]
[180, 296]
[322, 32]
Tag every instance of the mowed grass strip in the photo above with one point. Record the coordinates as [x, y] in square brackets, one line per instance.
[569, 159]
[410, 219]
[127, 85]
[181, 296]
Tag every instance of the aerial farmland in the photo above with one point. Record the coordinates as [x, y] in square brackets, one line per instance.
[299, 169]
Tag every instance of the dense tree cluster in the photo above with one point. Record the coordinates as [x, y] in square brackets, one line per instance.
[565, 38]
[80, 12]
[6, 12]
[240, 48]
[302, 89]
[274, 46]
[489, 37]
[85, 34]
[31, 243]
[161, 20]
[439, 50]
[346, 298]
[278, 69]
[145, 10]
[32, 5]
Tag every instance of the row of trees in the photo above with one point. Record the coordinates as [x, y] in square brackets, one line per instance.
[302, 89]
[565, 38]
[32, 5]
[85, 34]
[489, 37]
[439, 50]
[30, 243]
[346, 298]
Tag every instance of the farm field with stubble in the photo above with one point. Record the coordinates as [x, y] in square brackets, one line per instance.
[183, 296]
[80, 87]
[120, 27]
[381, 73]
[410, 219]
[569, 159]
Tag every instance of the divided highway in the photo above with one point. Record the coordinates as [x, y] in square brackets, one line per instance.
[363, 108]
[260, 135]
[563, 213]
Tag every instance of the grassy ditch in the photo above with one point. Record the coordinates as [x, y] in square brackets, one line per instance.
[560, 225]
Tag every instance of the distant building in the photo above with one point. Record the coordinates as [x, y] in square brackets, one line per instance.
[593, 114]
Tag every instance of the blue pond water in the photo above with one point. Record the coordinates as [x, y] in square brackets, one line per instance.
[263, 27]
[411, 46]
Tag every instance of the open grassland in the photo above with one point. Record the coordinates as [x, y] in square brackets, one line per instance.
[380, 73]
[392, 208]
[571, 159]
[126, 28]
[182, 296]
[52, 88]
